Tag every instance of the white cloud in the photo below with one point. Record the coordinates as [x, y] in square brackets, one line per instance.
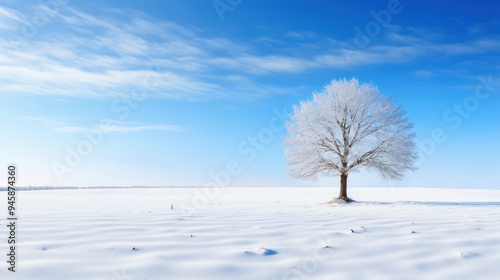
[43, 120]
[106, 126]
[110, 55]
[119, 127]
[300, 35]
[8, 17]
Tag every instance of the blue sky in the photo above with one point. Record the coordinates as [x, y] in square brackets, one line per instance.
[164, 93]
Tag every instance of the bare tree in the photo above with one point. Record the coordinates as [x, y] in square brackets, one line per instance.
[347, 126]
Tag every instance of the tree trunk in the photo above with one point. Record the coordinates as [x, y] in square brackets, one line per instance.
[343, 187]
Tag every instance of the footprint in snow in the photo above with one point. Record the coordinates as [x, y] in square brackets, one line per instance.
[261, 252]
[357, 230]
[466, 255]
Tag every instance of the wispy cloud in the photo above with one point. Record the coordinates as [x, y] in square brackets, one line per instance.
[300, 35]
[119, 128]
[106, 126]
[398, 45]
[423, 73]
[8, 18]
[111, 54]
[46, 121]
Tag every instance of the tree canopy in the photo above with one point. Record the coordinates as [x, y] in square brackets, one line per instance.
[348, 126]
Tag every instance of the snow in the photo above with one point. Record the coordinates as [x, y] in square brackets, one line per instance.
[256, 233]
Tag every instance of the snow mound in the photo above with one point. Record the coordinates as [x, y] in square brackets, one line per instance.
[341, 201]
[262, 252]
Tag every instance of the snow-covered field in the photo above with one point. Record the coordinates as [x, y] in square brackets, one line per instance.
[256, 233]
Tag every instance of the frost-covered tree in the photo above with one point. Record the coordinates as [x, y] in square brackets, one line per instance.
[345, 127]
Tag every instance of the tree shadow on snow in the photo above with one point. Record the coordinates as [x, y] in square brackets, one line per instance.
[437, 203]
